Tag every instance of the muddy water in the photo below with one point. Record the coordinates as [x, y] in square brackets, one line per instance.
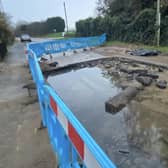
[130, 138]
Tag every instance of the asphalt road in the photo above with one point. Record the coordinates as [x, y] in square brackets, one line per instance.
[16, 53]
[22, 145]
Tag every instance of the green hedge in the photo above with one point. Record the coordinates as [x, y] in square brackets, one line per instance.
[140, 29]
[6, 35]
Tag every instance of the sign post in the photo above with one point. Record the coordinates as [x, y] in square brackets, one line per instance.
[158, 19]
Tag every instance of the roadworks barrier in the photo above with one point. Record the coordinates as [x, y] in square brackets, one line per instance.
[72, 144]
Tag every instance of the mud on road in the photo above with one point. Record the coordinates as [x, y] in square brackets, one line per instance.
[22, 145]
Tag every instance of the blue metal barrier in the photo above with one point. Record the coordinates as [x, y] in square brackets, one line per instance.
[71, 142]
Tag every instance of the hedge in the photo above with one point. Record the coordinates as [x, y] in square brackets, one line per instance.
[140, 29]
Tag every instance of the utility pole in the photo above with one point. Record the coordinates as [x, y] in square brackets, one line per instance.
[158, 19]
[66, 19]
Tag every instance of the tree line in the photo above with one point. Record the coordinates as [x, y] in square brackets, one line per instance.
[129, 21]
[53, 24]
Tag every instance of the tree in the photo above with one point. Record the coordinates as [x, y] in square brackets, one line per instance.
[41, 28]
[6, 35]
[55, 23]
[127, 20]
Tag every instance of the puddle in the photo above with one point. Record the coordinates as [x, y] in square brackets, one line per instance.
[131, 138]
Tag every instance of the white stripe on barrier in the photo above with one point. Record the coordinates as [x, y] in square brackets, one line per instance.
[89, 159]
[63, 120]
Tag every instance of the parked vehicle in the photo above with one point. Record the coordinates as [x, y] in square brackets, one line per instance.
[25, 38]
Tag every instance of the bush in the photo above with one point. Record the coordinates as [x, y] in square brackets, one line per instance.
[164, 30]
[139, 29]
[6, 35]
[51, 25]
[142, 29]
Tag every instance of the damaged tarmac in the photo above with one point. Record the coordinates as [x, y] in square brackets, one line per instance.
[128, 90]
[133, 135]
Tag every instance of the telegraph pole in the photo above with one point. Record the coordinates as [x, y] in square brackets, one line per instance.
[66, 19]
[158, 19]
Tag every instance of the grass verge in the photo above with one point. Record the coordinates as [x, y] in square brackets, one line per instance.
[54, 35]
[163, 49]
[59, 35]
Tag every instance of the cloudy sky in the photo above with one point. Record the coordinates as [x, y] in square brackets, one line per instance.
[37, 10]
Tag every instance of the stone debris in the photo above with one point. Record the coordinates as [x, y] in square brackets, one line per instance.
[162, 84]
[43, 59]
[74, 51]
[124, 151]
[107, 66]
[145, 81]
[144, 52]
[151, 75]
[118, 102]
[85, 49]
[133, 71]
[53, 64]
[160, 69]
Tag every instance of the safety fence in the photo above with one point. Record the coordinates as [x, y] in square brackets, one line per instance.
[61, 45]
[72, 144]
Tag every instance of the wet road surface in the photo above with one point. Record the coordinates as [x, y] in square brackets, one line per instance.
[21, 144]
[16, 54]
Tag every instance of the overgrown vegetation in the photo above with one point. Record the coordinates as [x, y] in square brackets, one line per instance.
[54, 24]
[128, 21]
[6, 35]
